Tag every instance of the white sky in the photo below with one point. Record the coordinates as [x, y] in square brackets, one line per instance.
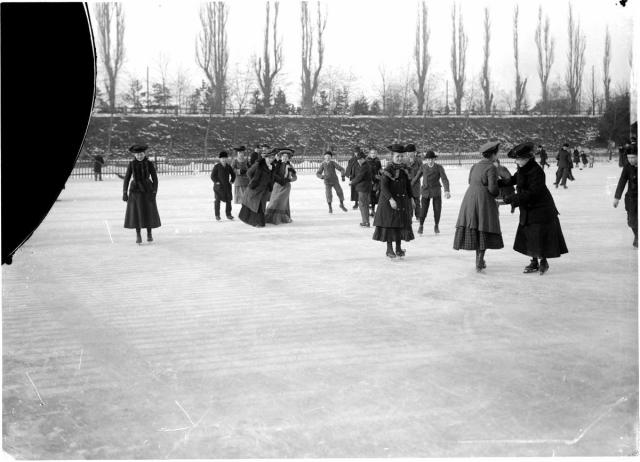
[361, 36]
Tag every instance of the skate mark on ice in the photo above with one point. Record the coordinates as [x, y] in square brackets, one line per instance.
[554, 441]
[108, 230]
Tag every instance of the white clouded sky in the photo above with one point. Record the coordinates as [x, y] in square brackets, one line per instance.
[361, 36]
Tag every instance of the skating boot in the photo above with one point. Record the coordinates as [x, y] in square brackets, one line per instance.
[149, 236]
[138, 239]
[420, 229]
[532, 267]
[401, 252]
[330, 209]
[391, 254]
[229, 217]
[544, 266]
[344, 209]
[218, 218]
[355, 206]
[436, 229]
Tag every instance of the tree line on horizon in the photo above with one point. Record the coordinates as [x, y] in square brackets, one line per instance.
[326, 91]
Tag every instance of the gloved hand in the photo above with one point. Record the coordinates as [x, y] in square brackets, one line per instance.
[508, 199]
[125, 197]
[343, 178]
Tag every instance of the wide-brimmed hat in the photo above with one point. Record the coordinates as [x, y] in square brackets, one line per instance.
[410, 148]
[288, 151]
[430, 155]
[223, 154]
[138, 148]
[271, 153]
[361, 155]
[490, 147]
[396, 148]
[240, 148]
[522, 151]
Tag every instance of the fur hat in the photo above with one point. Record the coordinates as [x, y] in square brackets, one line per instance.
[410, 148]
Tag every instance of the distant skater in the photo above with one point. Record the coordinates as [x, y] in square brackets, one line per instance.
[432, 173]
[564, 166]
[629, 176]
[393, 217]
[583, 159]
[141, 182]
[98, 163]
[539, 234]
[478, 225]
[223, 177]
[543, 157]
[327, 172]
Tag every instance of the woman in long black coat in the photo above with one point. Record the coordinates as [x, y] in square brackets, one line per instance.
[254, 202]
[139, 192]
[393, 216]
[539, 234]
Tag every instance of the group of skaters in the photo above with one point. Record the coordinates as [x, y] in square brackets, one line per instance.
[392, 195]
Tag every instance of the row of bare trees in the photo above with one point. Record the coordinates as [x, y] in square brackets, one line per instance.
[212, 57]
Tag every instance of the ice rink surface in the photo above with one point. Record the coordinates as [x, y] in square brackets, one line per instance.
[220, 340]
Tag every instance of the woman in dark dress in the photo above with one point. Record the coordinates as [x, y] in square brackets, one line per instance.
[279, 210]
[393, 216]
[261, 179]
[478, 225]
[539, 234]
[141, 182]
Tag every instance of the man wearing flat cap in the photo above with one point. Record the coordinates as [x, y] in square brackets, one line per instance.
[327, 172]
[432, 173]
[539, 234]
[223, 177]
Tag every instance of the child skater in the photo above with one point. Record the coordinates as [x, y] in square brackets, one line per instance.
[327, 172]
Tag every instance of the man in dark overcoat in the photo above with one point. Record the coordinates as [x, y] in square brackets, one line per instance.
[352, 166]
[539, 234]
[223, 177]
[362, 184]
[564, 166]
[543, 157]
[629, 175]
[98, 162]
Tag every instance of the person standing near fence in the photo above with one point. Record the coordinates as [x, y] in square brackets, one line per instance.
[261, 179]
[362, 183]
[139, 192]
[393, 217]
[279, 211]
[223, 177]
[352, 166]
[98, 162]
[431, 174]
[543, 157]
[629, 176]
[414, 164]
[240, 167]
[478, 225]
[327, 172]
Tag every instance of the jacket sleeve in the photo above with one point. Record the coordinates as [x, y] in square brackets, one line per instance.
[443, 177]
[154, 176]
[320, 170]
[233, 174]
[255, 176]
[360, 175]
[127, 178]
[293, 174]
[417, 176]
[492, 181]
[384, 186]
[622, 182]
[214, 173]
[339, 167]
[535, 189]
[252, 169]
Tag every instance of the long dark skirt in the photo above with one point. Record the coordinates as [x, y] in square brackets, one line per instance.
[392, 234]
[142, 211]
[252, 218]
[472, 239]
[542, 240]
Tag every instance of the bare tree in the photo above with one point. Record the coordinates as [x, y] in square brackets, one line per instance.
[309, 75]
[593, 96]
[163, 70]
[545, 44]
[521, 85]
[110, 21]
[240, 89]
[458, 56]
[181, 85]
[421, 55]
[575, 61]
[263, 66]
[606, 63]
[485, 81]
[212, 51]
[384, 89]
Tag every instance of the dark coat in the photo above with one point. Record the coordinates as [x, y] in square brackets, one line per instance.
[362, 182]
[564, 159]
[327, 172]
[543, 155]
[532, 197]
[352, 165]
[261, 180]
[141, 182]
[629, 175]
[240, 169]
[394, 183]
[255, 157]
[478, 209]
[98, 162]
[414, 169]
[431, 177]
[576, 156]
[222, 177]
